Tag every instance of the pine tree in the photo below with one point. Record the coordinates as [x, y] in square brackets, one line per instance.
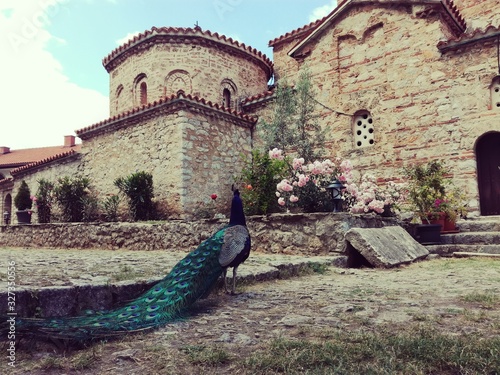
[309, 136]
[276, 134]
[294, 126]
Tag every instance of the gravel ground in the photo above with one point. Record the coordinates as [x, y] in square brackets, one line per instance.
[455, 296]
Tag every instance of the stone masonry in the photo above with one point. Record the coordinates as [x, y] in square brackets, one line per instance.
[425, 102]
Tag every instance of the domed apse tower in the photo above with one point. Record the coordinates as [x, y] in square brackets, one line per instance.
[165, 61]
[174, 112]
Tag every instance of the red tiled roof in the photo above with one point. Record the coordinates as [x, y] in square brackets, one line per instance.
[183, 32]
[49, 159]
[258, 97]
[165, 101]
[489, 32]
[294, 33]
[17, 158]
[5, 181]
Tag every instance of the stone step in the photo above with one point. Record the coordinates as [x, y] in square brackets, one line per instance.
[451, 249]
[472, 238]
[483, 224]
[470, 255]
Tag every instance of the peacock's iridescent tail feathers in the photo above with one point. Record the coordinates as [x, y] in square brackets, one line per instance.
[191, 278]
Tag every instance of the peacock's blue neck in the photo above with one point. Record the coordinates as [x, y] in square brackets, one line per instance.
[237, 215]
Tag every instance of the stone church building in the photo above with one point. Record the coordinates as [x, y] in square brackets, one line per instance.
[398, 81]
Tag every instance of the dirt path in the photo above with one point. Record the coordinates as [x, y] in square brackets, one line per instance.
[456, 296]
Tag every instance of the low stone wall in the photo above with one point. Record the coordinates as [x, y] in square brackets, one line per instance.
[312, 234]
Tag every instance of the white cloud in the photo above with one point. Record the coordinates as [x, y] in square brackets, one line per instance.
[127, 37]
[322, 11]
[39, 103]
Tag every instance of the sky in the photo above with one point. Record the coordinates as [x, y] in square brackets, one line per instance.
[53, 81]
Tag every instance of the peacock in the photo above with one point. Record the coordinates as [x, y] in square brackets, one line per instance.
[191, 278]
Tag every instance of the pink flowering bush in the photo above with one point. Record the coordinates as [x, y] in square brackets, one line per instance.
[306, 185]
[368, 196]
[306, 188]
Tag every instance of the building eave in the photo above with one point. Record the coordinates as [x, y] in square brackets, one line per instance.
[491, 33]
[166, 105]
[29, 168]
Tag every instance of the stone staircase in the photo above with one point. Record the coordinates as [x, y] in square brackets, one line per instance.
[475, 237]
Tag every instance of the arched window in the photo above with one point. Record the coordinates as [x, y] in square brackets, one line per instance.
[229, 92]
[119, 91]
[363, 129]
[495, 93]
[226, 97]
[141, 90]
[144, 93]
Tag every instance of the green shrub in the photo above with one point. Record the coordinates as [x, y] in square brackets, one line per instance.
[110, 207]
[44, 200]
[70, 195]
[22, 200]
[260, 177]
[90, 207]
[138, 187]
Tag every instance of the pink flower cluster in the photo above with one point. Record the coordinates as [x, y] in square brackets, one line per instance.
[319, 172]
[370, 197]
[276, 154]
[363, 197]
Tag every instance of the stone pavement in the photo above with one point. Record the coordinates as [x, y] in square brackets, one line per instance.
[51, 282]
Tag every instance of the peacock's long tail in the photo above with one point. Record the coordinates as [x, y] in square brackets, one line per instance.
[190, 279]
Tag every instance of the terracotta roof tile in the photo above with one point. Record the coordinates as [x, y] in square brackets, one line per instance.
[164, 101]
[258, 97]
[489, 32]
[182, 31]
[450, 5]
[294, 33]
[16, 158]
[43, 161]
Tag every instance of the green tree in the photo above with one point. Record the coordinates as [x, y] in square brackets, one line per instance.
[277, 134]
[309, 137]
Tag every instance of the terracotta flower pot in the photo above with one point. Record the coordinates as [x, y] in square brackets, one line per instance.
[449, 225]
[437, 218]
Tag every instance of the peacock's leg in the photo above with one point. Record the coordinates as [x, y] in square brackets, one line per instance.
[225, 280]
[233, 290]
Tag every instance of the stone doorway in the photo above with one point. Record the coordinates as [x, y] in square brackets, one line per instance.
[488, 173]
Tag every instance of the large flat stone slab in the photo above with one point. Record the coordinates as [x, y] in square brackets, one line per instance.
[382, 247]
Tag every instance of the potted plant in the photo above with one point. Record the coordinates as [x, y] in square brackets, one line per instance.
[23, 203]
[427, 183]
[454, 206]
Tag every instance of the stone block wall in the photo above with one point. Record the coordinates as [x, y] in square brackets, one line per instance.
[302, 234]
[212, 159]
[479, 13]
[154, 146]
[191, 151]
